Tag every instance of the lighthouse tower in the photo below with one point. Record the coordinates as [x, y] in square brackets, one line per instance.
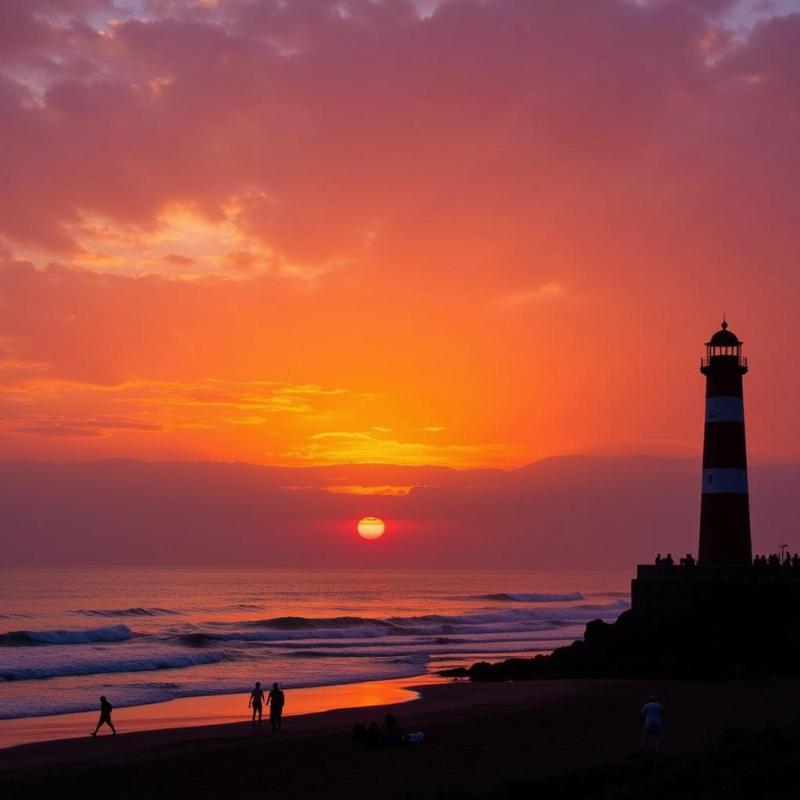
[725, 505]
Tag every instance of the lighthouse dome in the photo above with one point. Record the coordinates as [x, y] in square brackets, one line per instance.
[724, 338]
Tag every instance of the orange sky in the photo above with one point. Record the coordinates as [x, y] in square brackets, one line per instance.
[328, 232]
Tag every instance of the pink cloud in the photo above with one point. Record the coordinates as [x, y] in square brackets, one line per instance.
[421, 169]
[377, 119]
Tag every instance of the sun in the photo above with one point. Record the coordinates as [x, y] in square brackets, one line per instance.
[370, 528]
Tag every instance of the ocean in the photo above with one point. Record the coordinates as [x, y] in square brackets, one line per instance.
[143, 636]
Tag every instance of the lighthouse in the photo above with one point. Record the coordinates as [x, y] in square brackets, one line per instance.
[725, 503]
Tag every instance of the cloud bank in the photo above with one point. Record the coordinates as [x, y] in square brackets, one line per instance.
[471, 216]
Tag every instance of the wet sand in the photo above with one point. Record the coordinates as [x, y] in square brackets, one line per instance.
[476, 735]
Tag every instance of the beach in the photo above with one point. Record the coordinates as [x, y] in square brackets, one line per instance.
[476, 735]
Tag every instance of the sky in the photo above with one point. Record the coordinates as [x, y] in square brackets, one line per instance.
[575, 512]
[466, 233]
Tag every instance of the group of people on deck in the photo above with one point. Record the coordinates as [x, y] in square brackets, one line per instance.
[774, 561]
[275, 700]
[668, 560]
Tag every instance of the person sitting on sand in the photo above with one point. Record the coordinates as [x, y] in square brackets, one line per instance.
[374, 734]
[392, 732]
[360, 735]
[256, 701]
[105, 716]
[653, 735]
[276, 701]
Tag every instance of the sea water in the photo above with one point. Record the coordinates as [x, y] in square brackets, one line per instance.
[149, 635]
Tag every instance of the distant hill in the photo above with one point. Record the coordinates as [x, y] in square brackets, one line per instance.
[575, 512]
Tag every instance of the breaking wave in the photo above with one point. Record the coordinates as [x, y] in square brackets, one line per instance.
[90, 667]
[295, 629]
[531, 597]
[125, 612]
[316, 623]
[111, 633]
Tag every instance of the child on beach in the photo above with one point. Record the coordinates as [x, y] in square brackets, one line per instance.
[105, 716]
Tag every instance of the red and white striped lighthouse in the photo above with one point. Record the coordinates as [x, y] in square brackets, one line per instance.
[725, 505]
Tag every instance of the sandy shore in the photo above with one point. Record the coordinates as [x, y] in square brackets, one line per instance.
[476, 735]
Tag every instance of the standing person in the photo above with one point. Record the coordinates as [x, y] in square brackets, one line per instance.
[276, 701]
[653, 735]
[256, 701]
[105, 716]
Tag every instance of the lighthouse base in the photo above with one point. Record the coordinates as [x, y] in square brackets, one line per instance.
[669, 592]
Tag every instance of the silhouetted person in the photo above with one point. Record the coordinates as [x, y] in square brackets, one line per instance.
[689, 560]
[360, 735]
[374, 734]
[653, 734]
[276, 701]
[392, 732]
[256, 701]
[659, 560]
[105, 716]
[668, 560]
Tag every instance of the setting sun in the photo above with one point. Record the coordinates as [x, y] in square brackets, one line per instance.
[370, 528]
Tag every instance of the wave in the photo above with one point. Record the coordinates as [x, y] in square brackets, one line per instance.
[111, 633]
[406, 624]
[279, 630]
[531, 597]
[89, 667]
[125, 612]
[422, 656]
[306, 623]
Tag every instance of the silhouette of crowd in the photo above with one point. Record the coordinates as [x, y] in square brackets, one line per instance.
[788, 562]
[773, 562]
[669, 561]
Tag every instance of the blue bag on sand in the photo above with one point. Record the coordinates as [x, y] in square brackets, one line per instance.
[419, 736]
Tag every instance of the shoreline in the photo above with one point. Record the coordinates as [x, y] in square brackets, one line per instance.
[184, 713]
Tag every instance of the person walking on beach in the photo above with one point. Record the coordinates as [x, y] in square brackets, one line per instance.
[256, 701]
[105, 716]
[653, 735]
[276, 701]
